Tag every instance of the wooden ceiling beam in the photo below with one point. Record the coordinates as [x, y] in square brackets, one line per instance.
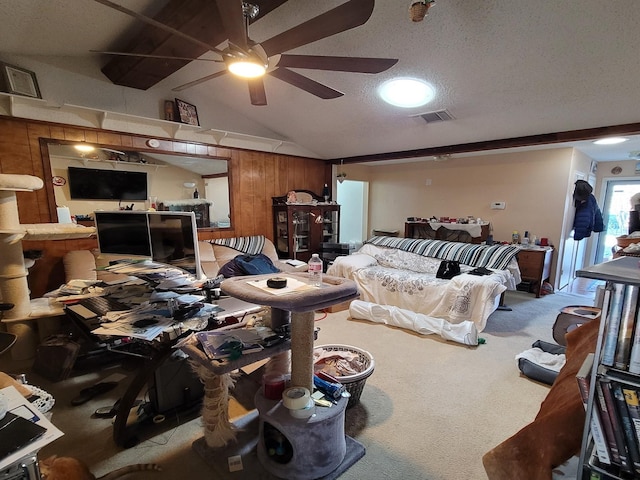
[515, 142]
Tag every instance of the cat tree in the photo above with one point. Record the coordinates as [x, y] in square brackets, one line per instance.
[21, 320]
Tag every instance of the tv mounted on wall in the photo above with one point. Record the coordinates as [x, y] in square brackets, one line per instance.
[166, 237]
[98, 184]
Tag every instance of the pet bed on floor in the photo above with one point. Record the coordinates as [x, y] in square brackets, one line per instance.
[542, 362]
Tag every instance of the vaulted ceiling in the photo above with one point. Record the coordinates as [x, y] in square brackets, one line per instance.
[520, 70]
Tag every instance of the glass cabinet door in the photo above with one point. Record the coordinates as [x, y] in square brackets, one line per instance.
[282, 231]
[300, 230]
[330, 222]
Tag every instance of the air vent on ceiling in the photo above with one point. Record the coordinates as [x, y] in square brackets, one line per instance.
[439, 116]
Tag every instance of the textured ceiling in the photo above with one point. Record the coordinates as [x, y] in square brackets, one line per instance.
[502, 69]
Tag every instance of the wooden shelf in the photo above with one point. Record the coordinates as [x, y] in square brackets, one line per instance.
[39, 109]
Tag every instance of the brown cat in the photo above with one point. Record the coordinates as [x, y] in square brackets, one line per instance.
[69, 468]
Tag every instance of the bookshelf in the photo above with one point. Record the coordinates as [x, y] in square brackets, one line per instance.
[612, 451]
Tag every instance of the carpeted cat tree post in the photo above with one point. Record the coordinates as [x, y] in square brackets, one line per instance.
[13, 273]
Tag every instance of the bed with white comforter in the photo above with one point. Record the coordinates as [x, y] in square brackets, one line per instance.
[387, 273]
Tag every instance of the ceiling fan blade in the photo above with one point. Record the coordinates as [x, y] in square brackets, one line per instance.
[344, 17]
[199, 81]
[305, 83]
[339, 64]
[165, 57]
[233, 20]
[155, 23]
[256, 92]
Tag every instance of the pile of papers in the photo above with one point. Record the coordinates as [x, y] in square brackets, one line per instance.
[149, 320]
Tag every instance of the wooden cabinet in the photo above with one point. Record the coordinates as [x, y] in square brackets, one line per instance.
[301, 228]
[535, 267]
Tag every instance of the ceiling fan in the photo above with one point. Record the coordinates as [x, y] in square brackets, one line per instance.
[268, 57]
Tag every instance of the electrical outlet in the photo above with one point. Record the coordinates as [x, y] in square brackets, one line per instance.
[498, 205]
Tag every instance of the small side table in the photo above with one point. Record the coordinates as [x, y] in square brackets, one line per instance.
[535, 266]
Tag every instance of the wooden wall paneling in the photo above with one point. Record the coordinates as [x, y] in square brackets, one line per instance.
[74, 134]
[262, 204]
[14, 144]
[281, 172]
[244, 197]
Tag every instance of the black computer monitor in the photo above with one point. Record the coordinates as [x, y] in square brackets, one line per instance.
[166, 237]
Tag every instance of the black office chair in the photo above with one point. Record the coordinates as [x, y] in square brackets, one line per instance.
[6, 339]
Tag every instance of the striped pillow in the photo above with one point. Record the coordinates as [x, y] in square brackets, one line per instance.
[250, 245]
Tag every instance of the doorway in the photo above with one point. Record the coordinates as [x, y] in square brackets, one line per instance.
[615, 214]
[353, 198]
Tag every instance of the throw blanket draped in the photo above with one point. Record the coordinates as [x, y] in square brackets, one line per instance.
[489, 256]
[249, 245]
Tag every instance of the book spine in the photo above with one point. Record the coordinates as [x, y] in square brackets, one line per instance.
[627, 426]
[634, 356]
[613, 325]
[633, 405]
[626, 329]
[616, 424]
[597, 431]
[606, 423]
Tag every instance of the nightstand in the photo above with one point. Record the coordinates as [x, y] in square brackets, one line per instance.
[535, 266]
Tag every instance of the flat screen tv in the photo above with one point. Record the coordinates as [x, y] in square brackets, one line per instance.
[166, 237]
[98, 184]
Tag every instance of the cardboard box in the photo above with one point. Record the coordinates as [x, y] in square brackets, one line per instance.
[338, 307]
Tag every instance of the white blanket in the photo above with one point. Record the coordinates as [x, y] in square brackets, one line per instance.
[406, 280]
[464, 332]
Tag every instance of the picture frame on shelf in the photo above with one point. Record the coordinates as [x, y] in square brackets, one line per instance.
[187, 113]
[18, 81]
[169, 110]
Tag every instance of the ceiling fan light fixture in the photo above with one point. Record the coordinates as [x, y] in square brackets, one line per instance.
[406, 92]
[246, 67]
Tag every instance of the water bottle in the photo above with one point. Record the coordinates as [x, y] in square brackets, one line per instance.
[315, 270]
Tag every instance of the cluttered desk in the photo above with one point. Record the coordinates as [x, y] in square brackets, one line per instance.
[149, 308]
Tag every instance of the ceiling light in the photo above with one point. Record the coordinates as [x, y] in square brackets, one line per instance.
[406, 92]
[246, 67]
[84, 147]
[610, 140]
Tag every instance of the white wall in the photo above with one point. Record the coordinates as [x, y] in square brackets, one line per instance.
[533, 185]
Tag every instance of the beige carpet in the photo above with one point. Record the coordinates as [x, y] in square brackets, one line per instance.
[430, 410]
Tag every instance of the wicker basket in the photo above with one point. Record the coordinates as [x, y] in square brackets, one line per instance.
[419, 9]
[354, 384]
[624, 241]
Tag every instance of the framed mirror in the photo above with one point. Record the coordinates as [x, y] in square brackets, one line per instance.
[89, 177]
